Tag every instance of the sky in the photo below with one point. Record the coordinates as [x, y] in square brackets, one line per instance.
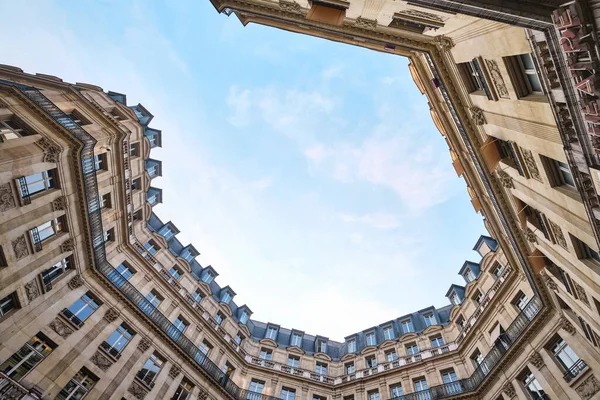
[306, 172]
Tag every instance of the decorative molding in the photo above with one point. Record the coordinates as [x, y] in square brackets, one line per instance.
[137, 390]
[497, 78]
[567, 326]
[51, 151]
[444, 42]
[550, 282]
[478, 115]
[32, 289]
[588, 388]
[20, 247]
[558, 234]
[111, 314]
[75, 282]
[144, 344]
[202, 394]
[174, 371]
[7, 198]
[422, 15]
[505, 179]
[62, 329]
[365, 23]
[67, 245]
[536, 360]
[101, 361]
[530, 235]
[531, 164]
[60, 203]
[509, 390]
[580, 292]
[290, 6]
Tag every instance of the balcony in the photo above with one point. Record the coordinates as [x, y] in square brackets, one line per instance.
[289, 370]
[12, 390]
[575, 370]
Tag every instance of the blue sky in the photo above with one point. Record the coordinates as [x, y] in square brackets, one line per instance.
[308, 173]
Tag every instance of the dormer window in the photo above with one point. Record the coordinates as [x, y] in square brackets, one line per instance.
[429, 319]
[153, 171]
[296, 340]
[388, 333]
[154, 137]
[207, 277]
[226, 297]
[143, 116]
[370, 337]
[167, 232]
[455, 299]
[352, 346]
[322, 346]
[407, 326]
[469, 275]
[244, 317]
[271, 333]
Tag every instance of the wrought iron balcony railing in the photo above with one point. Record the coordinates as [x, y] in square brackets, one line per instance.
[35, 237]
[575, 370]
[24, 191]
[506, 340]
[11, 390]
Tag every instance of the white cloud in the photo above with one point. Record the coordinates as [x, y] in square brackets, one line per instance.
[262, 183]
[375, 220]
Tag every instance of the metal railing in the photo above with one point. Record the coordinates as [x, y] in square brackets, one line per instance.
[24, 190]
[10, 389]
[503, 343]
[35, 237]
[575, 370]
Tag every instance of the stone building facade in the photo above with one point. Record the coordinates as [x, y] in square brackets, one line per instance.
[99, 299]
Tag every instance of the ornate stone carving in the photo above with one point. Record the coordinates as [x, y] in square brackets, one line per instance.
[174, 371]
[101, 361]
[422, 15]
[364, 23]
[531, 237]
[497, 78]
[144, 344]
[111, 314]
[32, 290]
[536, 360]
[67, 245]
[62, 329]
[75, 282]
[7, 198]
[60, 203]
[51, 151]
[567, 326]
[588, 388]
[444, 42]
[290, 6]
[478, 115]
[580, 292]
[202, 394]
[558, 234]
[531, 164]
[505, 179]
[137, 390]
[509, 390]
[550, 282]
[20, 247]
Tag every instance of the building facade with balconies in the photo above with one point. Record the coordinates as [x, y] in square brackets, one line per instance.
[99, 299]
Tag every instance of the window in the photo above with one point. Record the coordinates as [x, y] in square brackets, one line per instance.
[151, 247]
[175, 272]
[265, 354]
[117, 341]
[38, 183]
[152, 139]
[451, 381]
[349, 367]
[13, 128]
[134, 150]
[321, 368]
[564, 354]
[226, 297]
[180, 324]
[585, 251]
[255, 387]
[136, 184]
[78, 118]
[371, 361]
[205, 347]
[472, 76]
[293, 361]
[55, 272]
[412, 349]
[532, 386]
[509, 153]
[49, 229]
[8, 304]
[271, 333]
[391, 355]
[421, 386]
[125, 270]
[238, 338]
[150, 369]
[207, 277]
[321, 346]
[407, 326]
[455, 299]
[244, 318]
[478, 297]
[79, 386]
[100, 163]
[437, 341]
[520, 300]
[227, 369]
[371, 339]
[197, 295]
[166, 232]
[154, 298]
[287, 394]
[153, 171]
[558, 172]
[388, 333]
[138, 215]
[184, 390]
[498, 270]
[396, 391]
[3, 262]
[523, 75]
[219, 318]
[187, 255]
[296, 340]
[81, 309]
[374, 395]
[109, 235]
[352, 346]
[429, 319]
[28, 356]
[469, 275]
[476, 358]
[105, 201]
[460, 321]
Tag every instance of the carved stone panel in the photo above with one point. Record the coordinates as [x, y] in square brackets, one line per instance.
[509, 390]
[111, 314]
[478, 115]
[51, 151]
[137, 390]
[67, 245]
[445, 42]
[530, 235]
[174, 371]
[101, 361]
[202, 394]
[75, 282]
[550, 282]
[567, 326]
[20, 247]
[536, 360]
[7, 198]
[290, 6]
[60, 203]
[588, 388]
[558, 234]
[61, 328]
[580, 292]
[364, 23]
[531, 164]
[505, 179]
[497, 78]
[32, 289]
[144, 344]
[422, 15]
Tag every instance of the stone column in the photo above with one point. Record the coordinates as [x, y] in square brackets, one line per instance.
[171, 384]
[383, 390]
[547, 379]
